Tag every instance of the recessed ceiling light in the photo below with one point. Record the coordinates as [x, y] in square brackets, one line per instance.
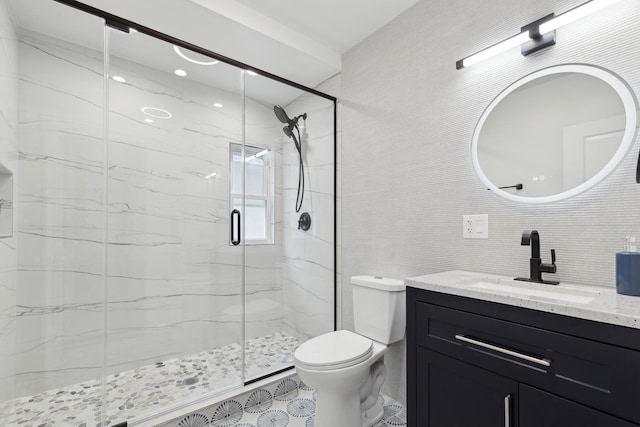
[148, 120]
[218, 105]
[186, 58]
[119, 79]
[211, 175]
[252, 73]
[158, 113]
[181, 73]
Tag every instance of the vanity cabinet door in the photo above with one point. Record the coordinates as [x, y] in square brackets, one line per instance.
[541, 409]
[451, 393]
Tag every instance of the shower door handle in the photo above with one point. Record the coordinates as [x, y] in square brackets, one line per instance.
[235, 227]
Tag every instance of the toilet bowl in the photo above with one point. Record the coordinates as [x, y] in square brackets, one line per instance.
[347, 368]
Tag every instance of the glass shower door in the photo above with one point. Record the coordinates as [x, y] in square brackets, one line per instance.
[289, 270]
[175, 280]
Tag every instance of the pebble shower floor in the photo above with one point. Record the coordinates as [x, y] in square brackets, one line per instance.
[144, 389]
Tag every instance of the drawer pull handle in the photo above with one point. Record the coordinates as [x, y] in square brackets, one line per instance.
[543, 362]
[507, 409]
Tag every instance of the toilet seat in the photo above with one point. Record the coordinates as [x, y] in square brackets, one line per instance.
[335, 350]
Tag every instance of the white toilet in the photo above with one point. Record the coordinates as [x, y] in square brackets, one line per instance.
[347, 369]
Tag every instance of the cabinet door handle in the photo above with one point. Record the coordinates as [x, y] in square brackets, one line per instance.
[543, 362]
[507, 410]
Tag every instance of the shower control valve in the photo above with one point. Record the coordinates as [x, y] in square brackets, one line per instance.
[304, 223]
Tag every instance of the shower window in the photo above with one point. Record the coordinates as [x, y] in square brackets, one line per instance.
[259, 191]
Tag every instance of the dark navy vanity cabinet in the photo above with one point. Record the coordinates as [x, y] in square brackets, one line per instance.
[474, 363]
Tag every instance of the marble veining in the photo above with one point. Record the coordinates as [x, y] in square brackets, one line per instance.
[607, 306]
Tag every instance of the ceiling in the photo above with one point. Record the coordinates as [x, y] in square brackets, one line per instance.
[300, 40]
[338, 24]
[322, 29]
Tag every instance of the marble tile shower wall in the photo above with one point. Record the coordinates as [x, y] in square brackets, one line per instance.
[9, 159]
[60, 221]
[308, 271]
[174, 282]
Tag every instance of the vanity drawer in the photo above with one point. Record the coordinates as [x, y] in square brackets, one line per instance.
[569, 366]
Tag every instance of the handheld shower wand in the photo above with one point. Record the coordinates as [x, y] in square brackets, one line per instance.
[292, 124]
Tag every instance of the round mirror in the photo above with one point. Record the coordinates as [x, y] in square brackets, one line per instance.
[554, 133]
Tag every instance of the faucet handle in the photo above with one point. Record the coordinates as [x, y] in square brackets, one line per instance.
[549, 268]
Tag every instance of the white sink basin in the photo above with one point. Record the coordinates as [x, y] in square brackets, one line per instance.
[538, 291]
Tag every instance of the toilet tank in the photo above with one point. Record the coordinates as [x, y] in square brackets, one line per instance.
[379, 308]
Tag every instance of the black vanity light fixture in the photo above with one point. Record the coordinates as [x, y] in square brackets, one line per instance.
[538, 34]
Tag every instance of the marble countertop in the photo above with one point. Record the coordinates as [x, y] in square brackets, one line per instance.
[606, 305]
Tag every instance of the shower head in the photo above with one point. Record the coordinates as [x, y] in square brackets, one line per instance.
[284, 118]
[282, 115]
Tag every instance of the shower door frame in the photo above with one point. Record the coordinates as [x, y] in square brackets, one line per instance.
[126, 25]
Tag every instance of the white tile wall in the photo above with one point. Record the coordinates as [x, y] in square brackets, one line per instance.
[9, 159]
[407, 119]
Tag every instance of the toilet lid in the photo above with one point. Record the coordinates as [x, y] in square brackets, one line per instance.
[335, 350]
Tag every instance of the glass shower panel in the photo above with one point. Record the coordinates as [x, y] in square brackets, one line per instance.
[289, 278]
[8, 239]
[174, 290]
[122, 292]
[58, 230]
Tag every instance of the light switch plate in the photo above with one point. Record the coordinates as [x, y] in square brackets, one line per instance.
[475, 226]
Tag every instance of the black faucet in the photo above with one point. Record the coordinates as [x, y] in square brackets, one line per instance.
[536, 267]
